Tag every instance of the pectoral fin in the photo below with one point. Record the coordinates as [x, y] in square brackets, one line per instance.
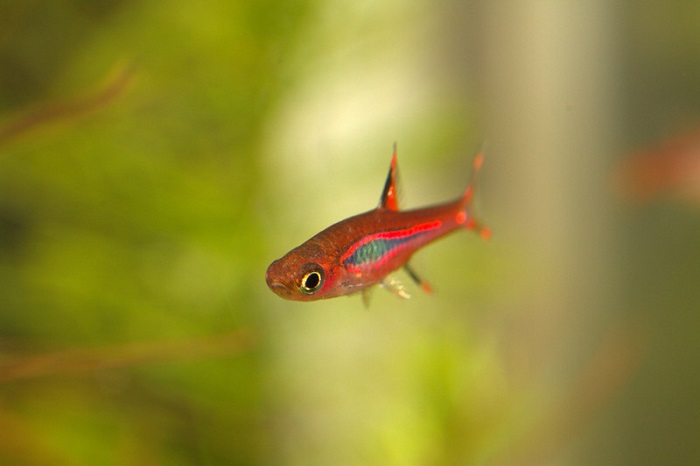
[366, 297]
[395, 287]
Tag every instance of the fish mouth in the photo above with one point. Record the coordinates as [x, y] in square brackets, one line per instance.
[276, 286]
[275, 279]
[280, 289]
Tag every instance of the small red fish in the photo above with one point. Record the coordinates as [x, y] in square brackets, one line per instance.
[360, 251]
[670, 168]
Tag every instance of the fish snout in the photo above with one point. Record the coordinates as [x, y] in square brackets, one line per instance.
[273, 279]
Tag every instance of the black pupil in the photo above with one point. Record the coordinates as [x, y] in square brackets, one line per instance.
[312, 280]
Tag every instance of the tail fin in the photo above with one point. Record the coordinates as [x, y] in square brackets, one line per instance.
[470, 222]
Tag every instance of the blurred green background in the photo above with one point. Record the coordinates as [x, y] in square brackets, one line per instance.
[156, 156]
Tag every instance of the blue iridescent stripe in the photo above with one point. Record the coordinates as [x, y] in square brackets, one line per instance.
[374, 250]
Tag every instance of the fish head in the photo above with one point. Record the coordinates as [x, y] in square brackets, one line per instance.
[303, 274]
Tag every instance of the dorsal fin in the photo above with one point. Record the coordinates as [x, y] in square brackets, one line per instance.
[389, 199]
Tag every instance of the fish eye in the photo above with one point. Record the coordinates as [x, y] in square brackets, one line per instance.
[312, 281]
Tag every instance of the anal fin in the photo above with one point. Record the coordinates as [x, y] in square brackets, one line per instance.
[417, 279]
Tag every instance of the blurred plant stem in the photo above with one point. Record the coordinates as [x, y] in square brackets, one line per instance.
[600, 381]
[127, 355]
[109, 89]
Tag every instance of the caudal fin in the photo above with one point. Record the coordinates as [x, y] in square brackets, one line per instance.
[470, 222]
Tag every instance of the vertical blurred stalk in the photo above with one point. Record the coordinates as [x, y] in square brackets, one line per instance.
[547, 81]
[547, 73]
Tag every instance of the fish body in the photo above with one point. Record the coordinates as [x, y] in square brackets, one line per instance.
[359, 252]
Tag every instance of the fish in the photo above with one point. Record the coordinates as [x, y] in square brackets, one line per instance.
[357, 253]
[669, 169]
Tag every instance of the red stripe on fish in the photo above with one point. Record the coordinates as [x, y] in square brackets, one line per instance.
[362, 256]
